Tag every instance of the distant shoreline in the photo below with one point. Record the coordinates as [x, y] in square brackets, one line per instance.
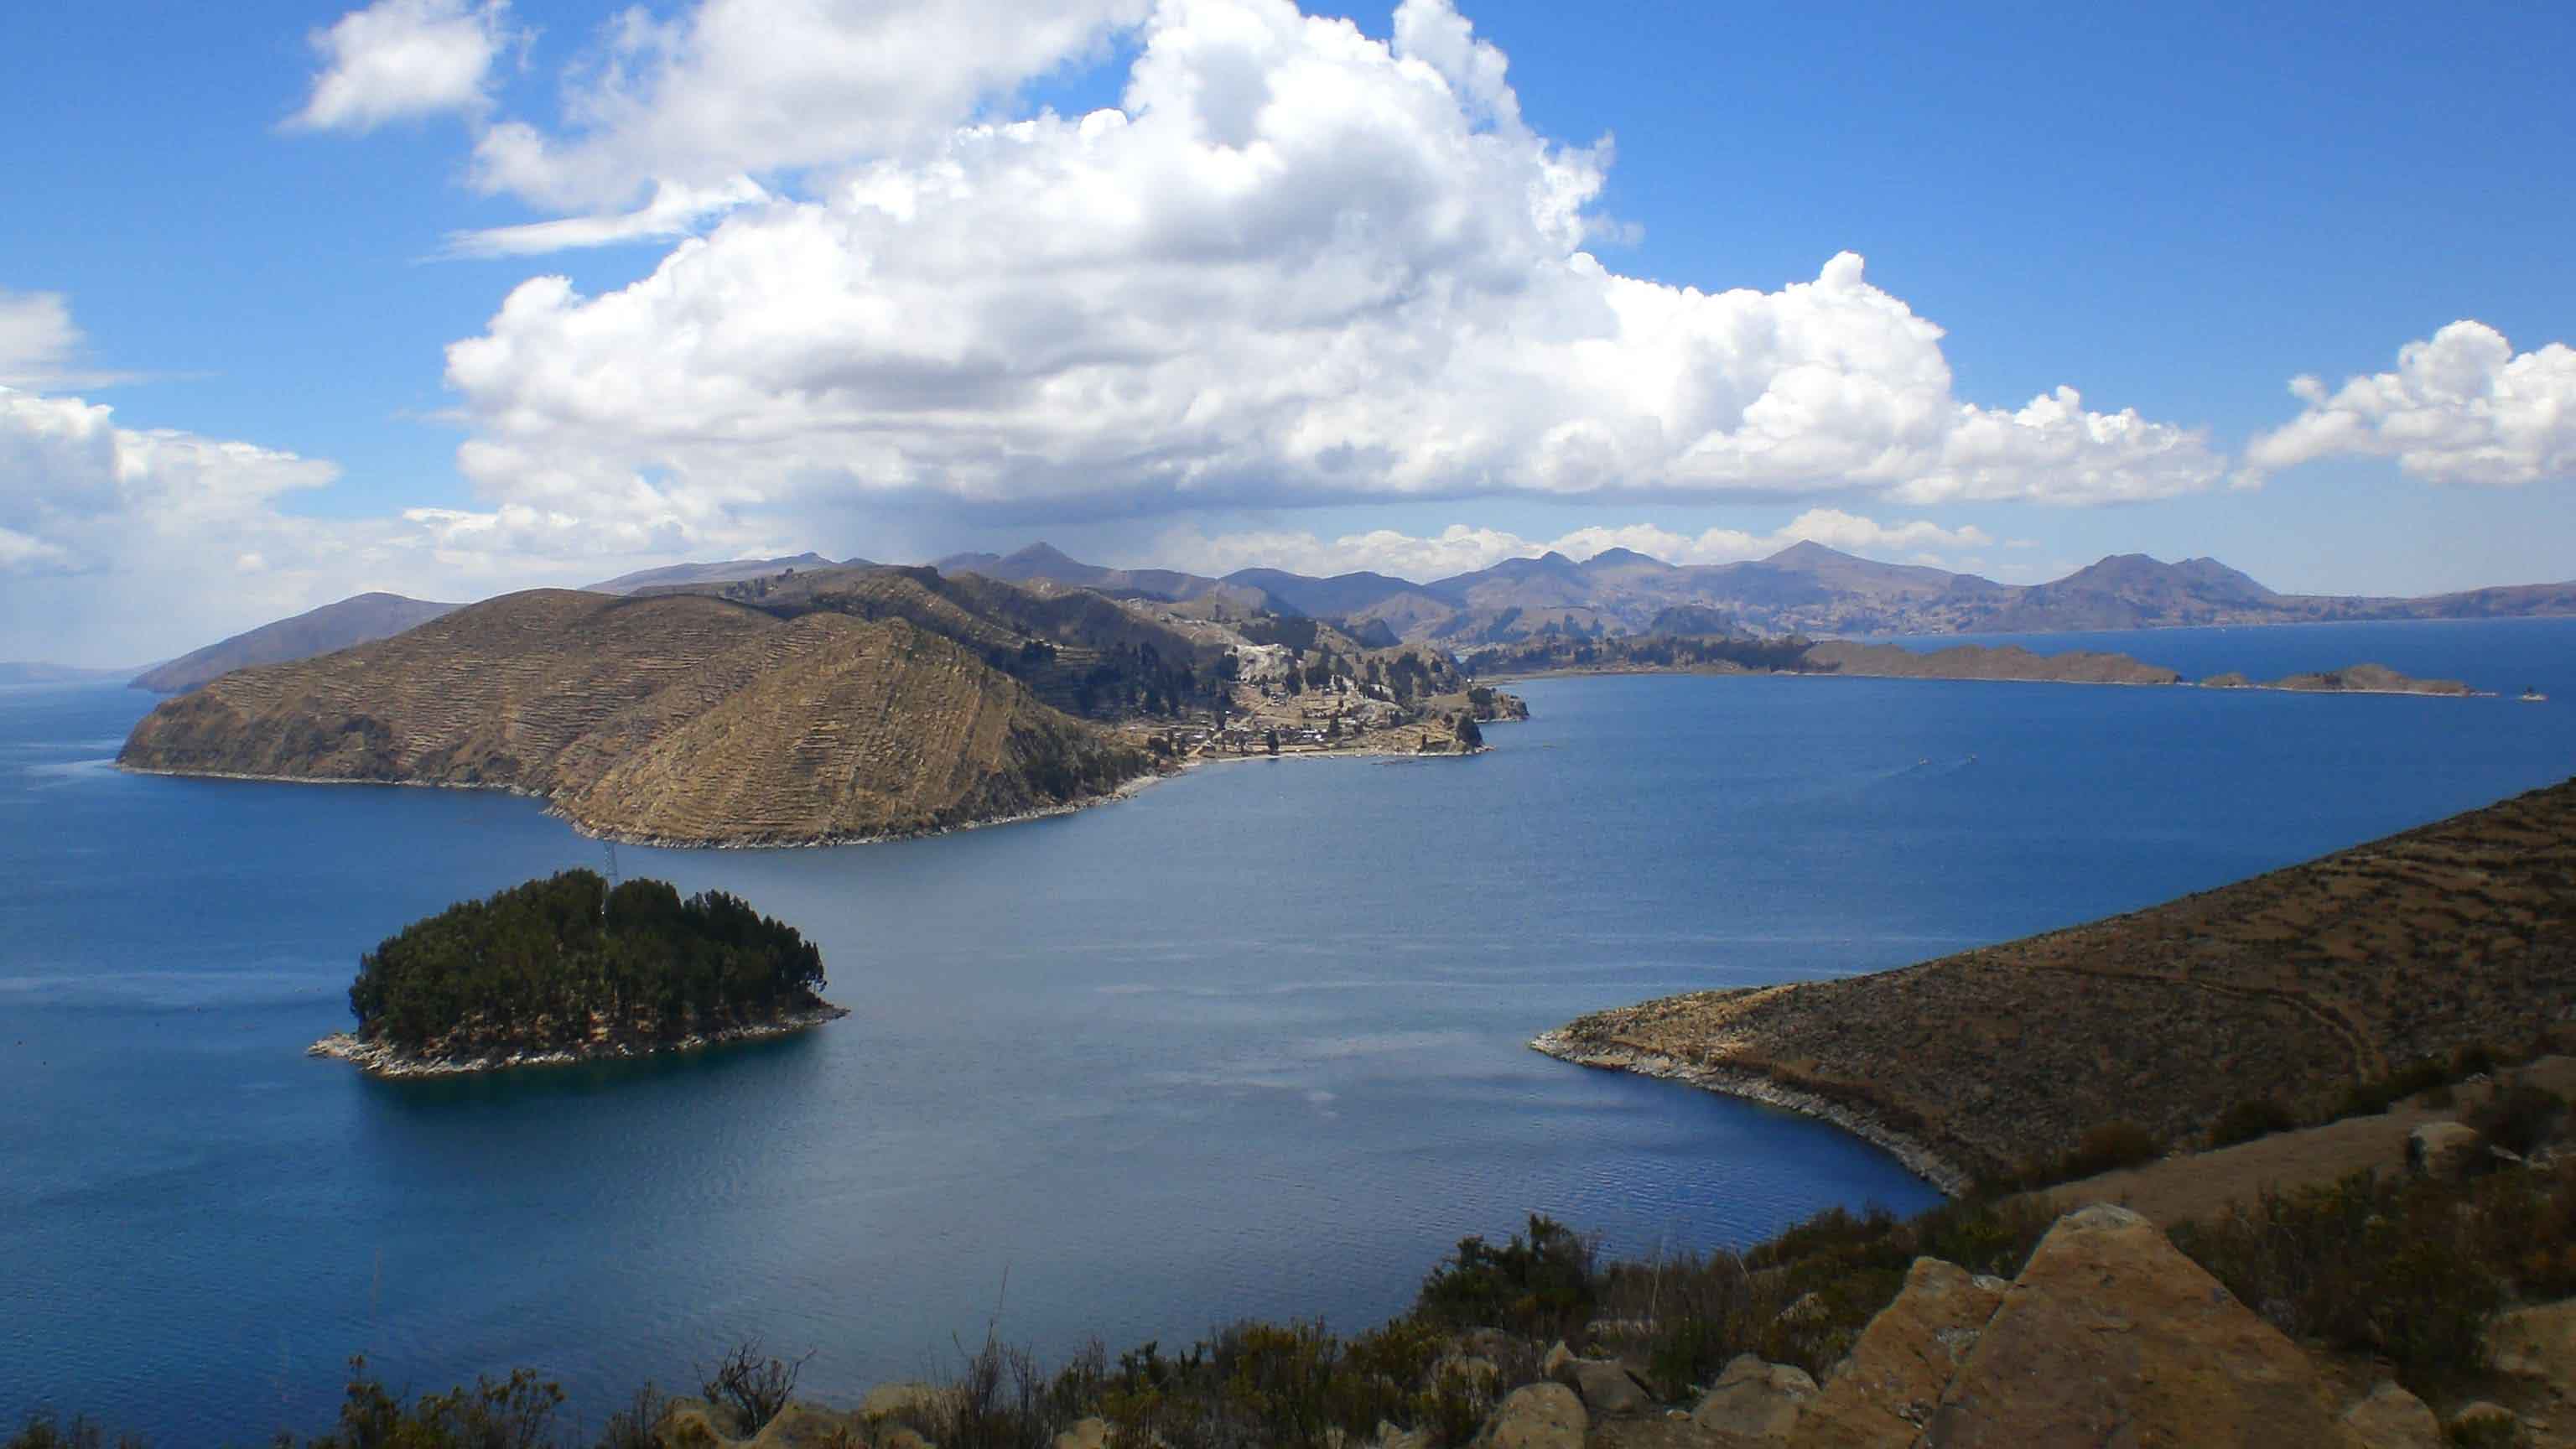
[378, 1059]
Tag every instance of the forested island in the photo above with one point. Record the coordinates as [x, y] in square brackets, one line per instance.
[568, 968]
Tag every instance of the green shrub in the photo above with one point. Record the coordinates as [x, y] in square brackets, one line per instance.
[2252, 1118]
[2390, 1268]
[1540, 1284]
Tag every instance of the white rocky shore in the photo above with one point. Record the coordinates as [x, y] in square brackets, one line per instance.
[1918, 1159]
[382, 1059]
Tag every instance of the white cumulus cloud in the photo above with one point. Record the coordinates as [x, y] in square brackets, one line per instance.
[728, 88]
[2462, 407]
[399, 60]
[39, 346]
[121, 544]
[1296, 264]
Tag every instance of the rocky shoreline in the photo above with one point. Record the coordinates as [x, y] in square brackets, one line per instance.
[1917, 1158]
[379, 1059]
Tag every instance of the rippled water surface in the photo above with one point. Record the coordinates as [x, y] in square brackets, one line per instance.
[1251, 1043]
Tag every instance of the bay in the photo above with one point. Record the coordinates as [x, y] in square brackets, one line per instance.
[1249, 1043]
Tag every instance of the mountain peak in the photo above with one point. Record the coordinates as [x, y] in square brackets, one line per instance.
[1807, 553]
[1040, 552]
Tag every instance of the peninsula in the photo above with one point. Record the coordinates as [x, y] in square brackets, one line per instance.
[2281, 995]
[815, 707]
[567, 969]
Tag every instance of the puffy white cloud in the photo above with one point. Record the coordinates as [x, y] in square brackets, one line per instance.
[1296, 264]
[120, 544]
[399, 60]
[39, 346]
[1462, 548]
[754, 87]
[2462, 407]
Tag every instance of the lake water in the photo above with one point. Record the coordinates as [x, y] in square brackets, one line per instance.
[1250, 1043]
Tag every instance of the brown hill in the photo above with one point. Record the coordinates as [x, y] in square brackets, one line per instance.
[683, 718]
[354, 620]
[2290, 987]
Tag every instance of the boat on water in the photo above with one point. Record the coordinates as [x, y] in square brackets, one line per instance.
[2534, 696]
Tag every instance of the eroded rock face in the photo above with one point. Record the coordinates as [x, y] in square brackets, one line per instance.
[1754, 1401]
[1537, 1416]
[2392, 1418]
[2112, 1336]
[1885, 1393]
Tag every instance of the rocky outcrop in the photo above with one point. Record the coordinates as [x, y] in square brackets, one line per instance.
[1884, 1394]
[2110, 1332]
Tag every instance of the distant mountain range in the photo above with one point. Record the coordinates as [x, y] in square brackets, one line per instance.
[356, 620]
[1803, 589]
[1806, 588]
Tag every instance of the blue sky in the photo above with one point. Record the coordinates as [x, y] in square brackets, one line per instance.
[2175, 209]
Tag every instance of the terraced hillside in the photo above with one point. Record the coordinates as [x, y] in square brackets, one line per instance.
[683, 718]
[2290, 987]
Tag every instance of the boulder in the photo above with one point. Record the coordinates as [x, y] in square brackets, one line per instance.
[1092, 1433]
[1606, 1387]
[1885, 1392]
[2485, 1423]
[2446, 1150]
[2112, 1336]
[1754, 1400]
[2392, 1418]
[1537, 1416]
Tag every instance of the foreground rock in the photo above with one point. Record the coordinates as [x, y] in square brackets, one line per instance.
[2110, 1334]
[1886, 1391]
[1538, 1416]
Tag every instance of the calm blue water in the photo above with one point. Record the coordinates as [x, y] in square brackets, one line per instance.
[1250, 1043]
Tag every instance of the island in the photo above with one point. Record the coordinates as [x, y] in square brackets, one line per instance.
[1725, 651]
[569, 969]
[2358, 679]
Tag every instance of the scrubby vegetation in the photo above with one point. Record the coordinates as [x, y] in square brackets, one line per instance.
[2407, 1269]
[549, 962]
